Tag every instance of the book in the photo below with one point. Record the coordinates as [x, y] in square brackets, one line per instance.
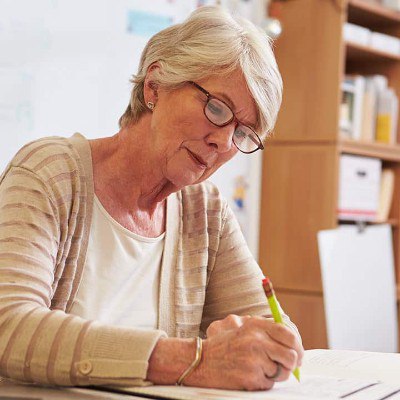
[385, 195]
[325, 374]
[356, 34]
[350, 122]
[346, 110]
[369, 110]
[383, 42]
[387, 114]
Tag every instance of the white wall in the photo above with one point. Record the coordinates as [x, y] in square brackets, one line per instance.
[65, 67]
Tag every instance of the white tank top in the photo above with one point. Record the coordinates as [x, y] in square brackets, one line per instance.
[121, 276]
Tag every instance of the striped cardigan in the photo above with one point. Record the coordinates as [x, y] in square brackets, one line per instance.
[46, 201]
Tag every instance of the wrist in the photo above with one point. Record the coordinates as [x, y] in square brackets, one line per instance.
[195, 363]
[198, 376]
[170, 358]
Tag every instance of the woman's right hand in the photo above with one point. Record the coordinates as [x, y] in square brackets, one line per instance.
[242, 358]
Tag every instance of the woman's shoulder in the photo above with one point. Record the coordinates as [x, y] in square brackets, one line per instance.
[47, 156]
[55, 161]
[56, 147]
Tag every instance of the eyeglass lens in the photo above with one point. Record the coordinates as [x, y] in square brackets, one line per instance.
[220, 114]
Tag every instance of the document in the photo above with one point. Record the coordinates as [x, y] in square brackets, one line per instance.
[358, 278]
[325, 375]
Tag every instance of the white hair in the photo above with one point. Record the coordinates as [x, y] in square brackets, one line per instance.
[209, 42]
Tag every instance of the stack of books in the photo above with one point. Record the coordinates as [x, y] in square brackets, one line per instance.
[369, 109]
[365, 37]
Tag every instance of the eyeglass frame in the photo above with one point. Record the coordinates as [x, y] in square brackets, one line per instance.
[209, 97]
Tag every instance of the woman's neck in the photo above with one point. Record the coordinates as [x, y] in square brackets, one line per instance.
[129, 183]
[123, 168]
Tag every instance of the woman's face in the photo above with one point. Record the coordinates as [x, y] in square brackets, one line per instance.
[187, 145]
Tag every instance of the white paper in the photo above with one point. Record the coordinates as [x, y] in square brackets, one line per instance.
[310, 388]
[359, 288]
[384, 367]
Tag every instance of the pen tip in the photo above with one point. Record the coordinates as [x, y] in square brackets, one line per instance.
[296, 374]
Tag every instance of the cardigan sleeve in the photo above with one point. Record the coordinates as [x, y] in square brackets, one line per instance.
[235, 282]
[38, 344]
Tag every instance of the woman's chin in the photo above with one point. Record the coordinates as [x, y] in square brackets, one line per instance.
[185, 178]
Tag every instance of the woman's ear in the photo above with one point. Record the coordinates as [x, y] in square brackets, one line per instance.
[150, 90]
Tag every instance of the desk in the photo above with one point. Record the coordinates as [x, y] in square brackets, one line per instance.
[11, 391]
[336, 374]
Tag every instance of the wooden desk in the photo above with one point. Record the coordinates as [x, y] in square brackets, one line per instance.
[11, 391]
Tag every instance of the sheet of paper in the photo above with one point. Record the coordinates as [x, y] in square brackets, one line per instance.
[359, 288]
[353, 364]
[311, 388]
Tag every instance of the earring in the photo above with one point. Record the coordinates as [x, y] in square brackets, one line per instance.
[150, 105]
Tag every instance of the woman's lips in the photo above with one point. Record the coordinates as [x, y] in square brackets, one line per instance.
[197, 159]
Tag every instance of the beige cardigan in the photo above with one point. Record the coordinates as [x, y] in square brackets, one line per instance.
[46, 200]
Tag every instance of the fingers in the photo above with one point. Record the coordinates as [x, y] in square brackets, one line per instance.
[276, 372]
[280, 354]
[280, 344]
[281, 334]
[270, 351]
[230, 322]
[284, 335]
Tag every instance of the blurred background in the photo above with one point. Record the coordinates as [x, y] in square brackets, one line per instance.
[320, 207]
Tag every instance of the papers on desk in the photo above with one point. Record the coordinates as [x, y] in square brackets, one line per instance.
[326, 374]
[359, 287]
[311, 388]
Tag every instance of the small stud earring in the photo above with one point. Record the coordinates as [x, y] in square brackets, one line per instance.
[150, 105]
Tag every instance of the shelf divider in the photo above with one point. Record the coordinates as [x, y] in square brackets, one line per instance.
[370, 149]
[367, 13]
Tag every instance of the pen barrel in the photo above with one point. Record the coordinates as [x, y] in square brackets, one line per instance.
[276, 313]
[273, 304]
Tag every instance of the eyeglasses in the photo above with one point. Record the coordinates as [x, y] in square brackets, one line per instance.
[220, 114]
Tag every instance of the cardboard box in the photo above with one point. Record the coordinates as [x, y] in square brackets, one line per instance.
[359, 188]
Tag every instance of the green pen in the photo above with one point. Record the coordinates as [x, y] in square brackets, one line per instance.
[273, 304]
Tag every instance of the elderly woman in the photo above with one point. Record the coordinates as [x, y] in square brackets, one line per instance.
[116, 256]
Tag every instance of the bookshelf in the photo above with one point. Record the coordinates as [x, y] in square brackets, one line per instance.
[301, 161]
[356, 52]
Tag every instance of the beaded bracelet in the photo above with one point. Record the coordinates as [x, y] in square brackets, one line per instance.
[194, 364]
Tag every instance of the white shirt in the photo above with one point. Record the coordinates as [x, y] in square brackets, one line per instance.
[121, 277]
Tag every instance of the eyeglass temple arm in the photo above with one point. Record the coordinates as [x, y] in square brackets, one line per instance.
[257, 142]
[200, 88]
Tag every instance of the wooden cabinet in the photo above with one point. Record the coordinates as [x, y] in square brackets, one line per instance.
[301, 161]
[307, 312]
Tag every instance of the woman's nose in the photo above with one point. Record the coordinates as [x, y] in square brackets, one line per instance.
[221, 137]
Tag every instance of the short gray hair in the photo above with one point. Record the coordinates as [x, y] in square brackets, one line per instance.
[209, 42]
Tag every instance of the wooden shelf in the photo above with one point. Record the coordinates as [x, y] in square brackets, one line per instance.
[370, 149]
[368, 13]
[357, 52]
[391, 221]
